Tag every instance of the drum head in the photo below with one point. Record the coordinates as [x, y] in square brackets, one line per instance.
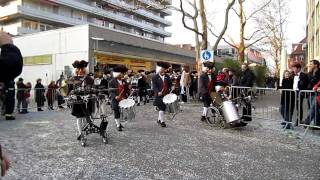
[126, 103]
[170, 98]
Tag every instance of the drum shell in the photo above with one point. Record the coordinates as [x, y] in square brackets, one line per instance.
[127, 114]
[229, 112]
[173, 107]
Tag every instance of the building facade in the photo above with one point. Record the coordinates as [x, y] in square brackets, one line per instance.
[143, 18]
[49, 54]
[313, 27]
[298, 54]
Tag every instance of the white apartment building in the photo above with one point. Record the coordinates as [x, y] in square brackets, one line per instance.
[144, 18]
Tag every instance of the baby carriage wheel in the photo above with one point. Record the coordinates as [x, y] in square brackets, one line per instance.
[105, 138]
[83, 141]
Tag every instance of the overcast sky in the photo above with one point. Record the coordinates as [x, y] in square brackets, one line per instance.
[295, 30]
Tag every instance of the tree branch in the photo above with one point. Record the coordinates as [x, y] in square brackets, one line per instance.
[184, 20]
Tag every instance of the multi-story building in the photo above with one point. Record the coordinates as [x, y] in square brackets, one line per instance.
[144, 18]
[298, 54]
[313, 27]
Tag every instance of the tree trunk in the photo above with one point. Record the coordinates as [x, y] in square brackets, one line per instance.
[204, 44]
[241, 46]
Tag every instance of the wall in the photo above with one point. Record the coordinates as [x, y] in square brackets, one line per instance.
[64, 45]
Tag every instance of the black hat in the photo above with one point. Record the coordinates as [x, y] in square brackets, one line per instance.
[209, 65]
[75, 64]
[20, 79]
[120, 68]
[163, 65]
[80, 64]
[140, 71]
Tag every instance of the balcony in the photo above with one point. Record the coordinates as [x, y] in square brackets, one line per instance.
[156, 5]
[141, 12]
[49, 16]
[8, 10]
[22, 30]
[111, 15]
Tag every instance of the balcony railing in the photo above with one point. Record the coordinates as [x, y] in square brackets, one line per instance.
[111, 15]
[158, 6]
[141, 12]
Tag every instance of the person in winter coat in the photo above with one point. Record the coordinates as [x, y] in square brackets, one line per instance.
[51, 94]
[39, 95]
[287, 99]
[21, 97]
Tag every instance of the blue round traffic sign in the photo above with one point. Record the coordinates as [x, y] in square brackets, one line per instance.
[206, 55]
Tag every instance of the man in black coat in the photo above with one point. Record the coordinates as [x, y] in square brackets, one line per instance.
[142, 87]
[300, 82]
[161, 85]
[119, 90]
[247, 79]
[206, 87]
[314, 78]
[11, 64]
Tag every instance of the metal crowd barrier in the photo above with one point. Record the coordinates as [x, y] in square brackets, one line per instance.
[297, 108]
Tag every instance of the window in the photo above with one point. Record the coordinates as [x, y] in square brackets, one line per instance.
[30, 24]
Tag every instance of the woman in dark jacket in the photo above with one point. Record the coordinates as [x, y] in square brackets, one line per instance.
[51, 94]
[39, 95]
[287, 99]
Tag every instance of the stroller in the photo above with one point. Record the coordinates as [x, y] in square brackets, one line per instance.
[82, 102]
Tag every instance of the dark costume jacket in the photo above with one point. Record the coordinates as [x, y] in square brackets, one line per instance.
[117, 90]
[160, 86]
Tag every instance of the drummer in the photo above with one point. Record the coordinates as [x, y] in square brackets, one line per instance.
[206, 87]
[142, 87]
[161, 84]
[119, 91]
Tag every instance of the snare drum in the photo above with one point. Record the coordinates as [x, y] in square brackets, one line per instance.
[171, 102]
[127, 110]
[229, 112]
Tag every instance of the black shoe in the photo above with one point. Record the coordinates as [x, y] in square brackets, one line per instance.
[40, 110]
[144, 103]
[138, 104]
[203, 119]
[288, 126]
[283, 123]
[24, 112]
[159, 122]
[163, 124]
[61, 107]
[10, 118]
[119, 128]
[247, 119]
[79, 137]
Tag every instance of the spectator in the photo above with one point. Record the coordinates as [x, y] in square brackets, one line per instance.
[247, 79]
[11, 64]
[21, 97]
[10, 67]
[287, 99]
[300, 82]
[59, 96]
[39, 95]
[232, 80]
[314, 78]
[28, 94]
[51, 94]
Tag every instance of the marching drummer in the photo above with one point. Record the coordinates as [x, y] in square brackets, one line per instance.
[161, 85]
[206, 87]
[119, 91]
[142, 87]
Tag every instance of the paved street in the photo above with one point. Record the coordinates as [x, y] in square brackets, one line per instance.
[43, 146]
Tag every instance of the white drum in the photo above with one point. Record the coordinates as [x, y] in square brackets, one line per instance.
[230, 112]
[127, 110]
[171, 102]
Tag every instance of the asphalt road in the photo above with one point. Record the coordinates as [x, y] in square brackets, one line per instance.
[43, 145]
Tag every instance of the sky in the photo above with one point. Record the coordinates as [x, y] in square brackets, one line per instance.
[295, 30]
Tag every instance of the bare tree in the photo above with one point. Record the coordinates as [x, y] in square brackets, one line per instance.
[272, 22]
[244, 17]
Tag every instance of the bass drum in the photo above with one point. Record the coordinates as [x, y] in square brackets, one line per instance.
[229, 112]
